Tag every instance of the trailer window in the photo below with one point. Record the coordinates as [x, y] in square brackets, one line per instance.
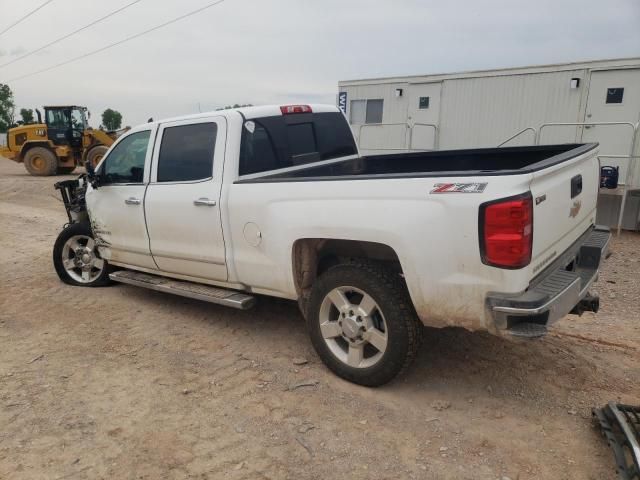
[186, 152]
[614, 95]
[357, 112]
[366, 111]
[374, 111]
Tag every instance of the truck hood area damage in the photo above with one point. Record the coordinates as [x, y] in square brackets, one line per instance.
[73, 197]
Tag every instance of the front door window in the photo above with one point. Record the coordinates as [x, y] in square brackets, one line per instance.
[125, 163]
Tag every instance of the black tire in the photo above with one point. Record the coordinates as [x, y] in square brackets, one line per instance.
[40, 162]
[65, 170]
[388, 290]
[95, 154]
[74, 230]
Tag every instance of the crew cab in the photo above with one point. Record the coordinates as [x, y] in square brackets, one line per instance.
[276, 200]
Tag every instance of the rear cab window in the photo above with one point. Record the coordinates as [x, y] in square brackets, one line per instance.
[281, 141]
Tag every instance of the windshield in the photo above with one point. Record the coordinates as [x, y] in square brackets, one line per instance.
[58, 118]
[62, 118]
[78, 119]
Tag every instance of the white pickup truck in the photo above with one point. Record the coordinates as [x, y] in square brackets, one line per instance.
[275, 200]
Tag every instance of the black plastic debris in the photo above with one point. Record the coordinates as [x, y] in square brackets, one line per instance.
[620, 424]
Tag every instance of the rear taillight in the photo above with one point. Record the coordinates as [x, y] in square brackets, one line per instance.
[506, 231]
[287, 109]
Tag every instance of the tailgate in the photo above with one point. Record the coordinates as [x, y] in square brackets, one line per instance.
[564, 201]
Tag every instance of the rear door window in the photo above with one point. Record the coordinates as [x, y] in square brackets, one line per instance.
[282, 141]
[186, 152]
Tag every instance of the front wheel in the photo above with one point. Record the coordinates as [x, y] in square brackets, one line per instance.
[362, 322]
[40, 161]
[76, 258]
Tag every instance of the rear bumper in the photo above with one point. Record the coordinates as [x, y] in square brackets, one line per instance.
[556, 291]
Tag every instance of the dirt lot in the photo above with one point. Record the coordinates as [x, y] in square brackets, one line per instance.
[125, 383]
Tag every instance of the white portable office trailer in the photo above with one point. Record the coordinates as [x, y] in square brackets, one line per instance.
[594, 101]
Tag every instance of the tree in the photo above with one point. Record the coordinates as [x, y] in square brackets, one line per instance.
[27, 115]
[7, 107]
[111, 119]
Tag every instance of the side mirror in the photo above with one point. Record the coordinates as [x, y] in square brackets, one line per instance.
[609, 177]
[91, 174]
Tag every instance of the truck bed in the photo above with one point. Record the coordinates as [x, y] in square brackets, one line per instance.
[468, 162]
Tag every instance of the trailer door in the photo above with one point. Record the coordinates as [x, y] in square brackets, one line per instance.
[614, 96]
[423, 114]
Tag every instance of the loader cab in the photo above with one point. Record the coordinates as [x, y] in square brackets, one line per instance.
[66, 124]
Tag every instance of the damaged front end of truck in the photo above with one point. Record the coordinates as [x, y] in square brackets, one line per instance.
[76, 255]
[73, 197]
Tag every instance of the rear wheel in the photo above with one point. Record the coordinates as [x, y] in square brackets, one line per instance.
[41, 161]
[76, 258]
[95, 155]
[362, 322]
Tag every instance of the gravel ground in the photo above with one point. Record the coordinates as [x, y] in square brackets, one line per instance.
[125, 383]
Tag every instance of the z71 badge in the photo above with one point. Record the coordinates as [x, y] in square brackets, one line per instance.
[459, 188]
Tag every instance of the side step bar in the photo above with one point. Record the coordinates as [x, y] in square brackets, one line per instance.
[207, 293]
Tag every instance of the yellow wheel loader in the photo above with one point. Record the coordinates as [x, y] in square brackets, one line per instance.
[59, 144]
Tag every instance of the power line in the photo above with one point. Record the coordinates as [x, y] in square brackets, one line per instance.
[120, 42]
[25, 17]
[28, 54]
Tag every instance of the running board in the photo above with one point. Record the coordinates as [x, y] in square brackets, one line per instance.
[207, 293]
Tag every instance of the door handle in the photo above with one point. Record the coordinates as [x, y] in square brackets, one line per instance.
[132, 201]
[588, 126]
[204, 202]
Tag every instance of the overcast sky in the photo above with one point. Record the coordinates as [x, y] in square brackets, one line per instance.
[278, 51]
